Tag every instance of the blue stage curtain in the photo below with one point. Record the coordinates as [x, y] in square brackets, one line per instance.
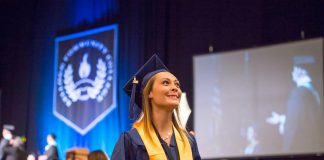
[56, 18]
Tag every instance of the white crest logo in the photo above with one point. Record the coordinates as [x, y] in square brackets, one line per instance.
[85, 88]
[85, 91]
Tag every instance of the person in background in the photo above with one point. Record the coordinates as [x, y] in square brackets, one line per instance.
[51, 152]
[7, 136]
[15, 151]
[305, 115]
[157, 133]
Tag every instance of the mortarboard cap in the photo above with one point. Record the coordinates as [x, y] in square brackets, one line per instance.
[304, 59]
[135, 85]
[9, 127]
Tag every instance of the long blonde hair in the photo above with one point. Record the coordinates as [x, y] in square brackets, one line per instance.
[146, 115]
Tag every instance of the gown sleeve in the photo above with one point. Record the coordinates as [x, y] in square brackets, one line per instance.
[123, 149]
[3, 144]
[194, 147]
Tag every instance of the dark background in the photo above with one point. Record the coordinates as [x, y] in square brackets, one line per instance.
[174, 29]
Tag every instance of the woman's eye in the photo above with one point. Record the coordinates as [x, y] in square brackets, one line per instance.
[165, 82]
[178, 85]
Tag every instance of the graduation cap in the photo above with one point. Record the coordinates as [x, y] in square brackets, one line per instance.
[304, 59]
[9, 127]
[136, 84]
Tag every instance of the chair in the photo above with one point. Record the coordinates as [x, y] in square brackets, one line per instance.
[97, 155]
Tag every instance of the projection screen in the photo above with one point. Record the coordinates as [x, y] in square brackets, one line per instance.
[260, 101]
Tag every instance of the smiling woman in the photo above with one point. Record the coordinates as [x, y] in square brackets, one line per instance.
[157, 133]
[166, 91]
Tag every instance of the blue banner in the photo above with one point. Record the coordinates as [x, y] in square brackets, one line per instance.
[86, 73]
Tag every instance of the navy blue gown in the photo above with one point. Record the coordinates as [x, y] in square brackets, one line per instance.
[131, 147]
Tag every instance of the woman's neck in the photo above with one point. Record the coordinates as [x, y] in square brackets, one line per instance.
[162, 120]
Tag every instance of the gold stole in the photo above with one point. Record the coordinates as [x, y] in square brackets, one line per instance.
[155, 150]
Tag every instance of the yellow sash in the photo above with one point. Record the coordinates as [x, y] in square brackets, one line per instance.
[155, 150]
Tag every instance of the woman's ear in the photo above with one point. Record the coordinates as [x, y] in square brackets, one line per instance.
[150, 95]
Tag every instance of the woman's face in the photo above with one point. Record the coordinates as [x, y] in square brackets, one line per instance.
[166, 91]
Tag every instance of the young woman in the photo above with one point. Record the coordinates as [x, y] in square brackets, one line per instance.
[157, 133]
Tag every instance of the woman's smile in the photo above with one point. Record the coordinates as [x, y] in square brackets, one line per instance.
[176, 97]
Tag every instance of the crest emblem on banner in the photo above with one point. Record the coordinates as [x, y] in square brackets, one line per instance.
[85, 72]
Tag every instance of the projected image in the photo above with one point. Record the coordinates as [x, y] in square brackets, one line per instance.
[252, 141]
[304, 113]
[262, 101]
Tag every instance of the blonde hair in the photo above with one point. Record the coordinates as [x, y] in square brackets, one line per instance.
[146, 115]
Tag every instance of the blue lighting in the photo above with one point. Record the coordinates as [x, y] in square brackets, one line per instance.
[105, 133]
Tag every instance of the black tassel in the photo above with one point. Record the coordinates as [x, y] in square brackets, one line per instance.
[132, 98]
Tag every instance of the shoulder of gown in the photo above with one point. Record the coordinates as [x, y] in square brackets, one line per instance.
[129, 147]
[194, 147]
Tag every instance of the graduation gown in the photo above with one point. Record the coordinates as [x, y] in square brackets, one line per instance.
[14, 153]
[52, 153]
[304, 121]
[3, 143]
[131, 147]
